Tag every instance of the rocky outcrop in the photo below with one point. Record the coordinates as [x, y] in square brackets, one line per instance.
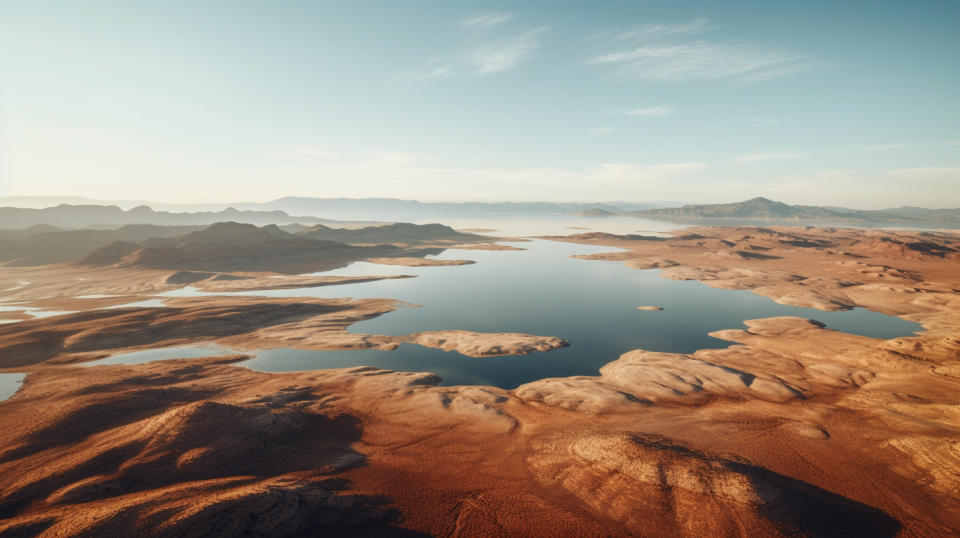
[474, 344]
[793, 429]
[240, 322]
[656, 487]
[174, 459]
[283, 282]
[232, 246]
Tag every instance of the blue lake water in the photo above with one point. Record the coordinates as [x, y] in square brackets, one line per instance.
[9, 384]
[179, 352]
[541, 291]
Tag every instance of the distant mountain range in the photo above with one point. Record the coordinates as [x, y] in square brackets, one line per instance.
[350, 212]
[108, 216]
[764, 209]
[369, 209]
[43, 244]
[223, 244]
[40, 202]
[232, 246]
[394, 209]
[409, 234]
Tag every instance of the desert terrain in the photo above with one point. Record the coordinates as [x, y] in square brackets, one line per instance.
[793, 429]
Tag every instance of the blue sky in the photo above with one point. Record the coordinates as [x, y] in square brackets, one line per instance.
[806, 102]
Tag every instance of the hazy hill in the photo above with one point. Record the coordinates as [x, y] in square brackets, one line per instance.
[754, 208]
[100, 216]
[222, 246]
[43, 244]
[394, 209]
[22, 233]
[375, 209]
[393, 233]
[597, 212]
[40, 202]
[232, 246]
[764, 209]
[916, 213]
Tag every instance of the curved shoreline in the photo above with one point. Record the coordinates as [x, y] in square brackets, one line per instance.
[827, 415]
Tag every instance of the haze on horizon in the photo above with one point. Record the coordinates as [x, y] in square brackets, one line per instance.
[808, 103]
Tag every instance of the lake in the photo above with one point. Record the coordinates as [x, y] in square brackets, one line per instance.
[9, 384]
[542, 291]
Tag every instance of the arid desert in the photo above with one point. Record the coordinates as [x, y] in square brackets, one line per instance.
[790, 428]
[484, 268]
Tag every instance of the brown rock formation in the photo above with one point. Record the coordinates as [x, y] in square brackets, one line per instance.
[792, 430]
[475, 344]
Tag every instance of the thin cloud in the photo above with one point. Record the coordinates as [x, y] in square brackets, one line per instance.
[655, 111]
[648, 32]
[600, 131]
[483, 53]
[442, 71]
[661, 52]
[893, 145]
[505, 54]
[395, 173]
[929, 173]
[766, 120]
[394, 158]
[701, 61]
[487, 20]
[435, 69]
[947, 144]
[676, 168]
[758, 157]
[307, 154]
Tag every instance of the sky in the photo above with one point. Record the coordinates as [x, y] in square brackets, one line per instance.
[829, 103]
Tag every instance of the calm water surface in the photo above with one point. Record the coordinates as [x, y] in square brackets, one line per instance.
[9, 384]
[542, 291]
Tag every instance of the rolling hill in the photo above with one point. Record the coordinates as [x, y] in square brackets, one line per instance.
[765, 209]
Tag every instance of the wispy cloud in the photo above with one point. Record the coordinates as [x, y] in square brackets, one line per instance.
[660, 52]
[766, 120]
[432, 70]
[487, 48]
[306, 153]
[669, 169]
[758, 157]
[648, 32]
[394, 158]
[702, 61]
[504, 54]
[947, 144]
[892, 145]
[394, 173]
[487, 20]
[929, 173]
[655, 111]
[600, 131]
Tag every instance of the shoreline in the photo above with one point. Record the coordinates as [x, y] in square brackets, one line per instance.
[825, 412]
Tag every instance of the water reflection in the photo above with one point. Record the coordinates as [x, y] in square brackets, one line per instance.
[543, 291]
